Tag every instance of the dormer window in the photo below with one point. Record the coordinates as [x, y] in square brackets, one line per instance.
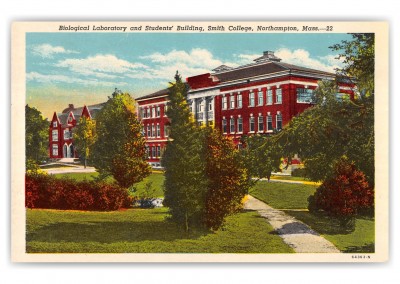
[55, 124]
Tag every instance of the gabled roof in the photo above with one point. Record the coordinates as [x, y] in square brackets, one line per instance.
[77, 112]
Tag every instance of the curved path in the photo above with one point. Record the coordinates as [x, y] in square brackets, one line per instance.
[293, 232]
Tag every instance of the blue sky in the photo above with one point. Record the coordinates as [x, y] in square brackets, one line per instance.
[84, 68]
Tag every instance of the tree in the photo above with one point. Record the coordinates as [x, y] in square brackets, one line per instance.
[36, 136]
[228, 179]
[358, 55]
[321, 135]
[262, 156]
[120, 146]
[85, 137]
[185, 184]
[345, 194]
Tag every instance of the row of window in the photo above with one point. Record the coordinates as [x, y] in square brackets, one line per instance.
[237, 101]
[236, 125]
[67, 134]
[151, 112]
[153, 152]
[154, 130]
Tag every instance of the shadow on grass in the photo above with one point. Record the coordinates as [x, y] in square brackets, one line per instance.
[369, 248]
[321, 223]
[110, 232]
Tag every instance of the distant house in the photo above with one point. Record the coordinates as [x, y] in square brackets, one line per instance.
[61, 130]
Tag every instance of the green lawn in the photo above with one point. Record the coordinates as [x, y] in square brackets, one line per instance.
[283, 195]
[294, 196]
[144, 231]
[281, 177]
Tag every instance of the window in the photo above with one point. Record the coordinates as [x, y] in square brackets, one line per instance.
[158, 151]
[239, 101]
[342, 96]
[260, 124]
[224, 102]
[278, 121]
[260, 98]
[278, 96]
[70, 118]
[269, 123]
[210, 106]
[54, 135]
[252, 124]
[148, 112]
[66, 134]
[147, 151]
[153, 131]
[153, 112]
[251, 99]
[158, 111]
[232, 98]
[158, 130]
[141, 112]
[148, 131]
[165, 110]
[55, 150]
[153, 152]
[240, 124]
[269, 97]
[166, 131]
[224, 130]
[54, 123]
[305, 95]
[232, 125]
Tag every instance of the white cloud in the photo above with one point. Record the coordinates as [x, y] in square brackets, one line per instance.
[196, 61]
[47, 51]
[302, 58]
[102, 66]
[43, 78]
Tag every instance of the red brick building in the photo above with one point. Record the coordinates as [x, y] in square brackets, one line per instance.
[61, 129]
[251, 99]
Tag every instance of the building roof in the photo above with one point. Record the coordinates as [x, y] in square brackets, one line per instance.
[161, 93]
[77, 112]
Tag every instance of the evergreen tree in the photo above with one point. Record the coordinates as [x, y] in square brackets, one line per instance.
[120, 146]
[36, 136]
[185, 183]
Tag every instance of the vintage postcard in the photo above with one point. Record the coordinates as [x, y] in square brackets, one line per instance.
[200, 141]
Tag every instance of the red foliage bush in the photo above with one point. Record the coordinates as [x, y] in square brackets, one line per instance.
[43, 191]
[345, 195]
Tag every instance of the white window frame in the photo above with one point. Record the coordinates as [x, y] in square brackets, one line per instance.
[252, 123]
[224, 102]
[278, 96]
[153, 112]
[304, 99]
[269, 122]
[279, 119]
[251, 99]
[55, 124]
[239, 101]
[158, 130]
[153, 130]
[270, 99]
[232, 102]
[224, 126]
[232, 125]
[260, 123]
[158, 111]
[54, 150]
[54, 135]
[240, 125]
[260, 95]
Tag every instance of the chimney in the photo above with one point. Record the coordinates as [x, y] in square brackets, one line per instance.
[71, 106]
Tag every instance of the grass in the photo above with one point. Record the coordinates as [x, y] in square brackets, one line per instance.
[281, 177]
[52, 166]
[283, 195]
[144, 231]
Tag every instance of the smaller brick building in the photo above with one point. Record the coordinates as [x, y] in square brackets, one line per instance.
[61, 130]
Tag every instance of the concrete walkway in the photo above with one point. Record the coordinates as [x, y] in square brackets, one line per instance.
[293, 232]
[72, 169]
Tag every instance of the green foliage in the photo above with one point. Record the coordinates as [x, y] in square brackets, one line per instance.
[183, 159]
[228, 180]
[120, 146]
[344, 195]
[321, 135]
[300, 172]
[85, 137]
[262, 155]
[36, 136]
[358, 55]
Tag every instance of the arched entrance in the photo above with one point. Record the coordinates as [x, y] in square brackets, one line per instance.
[65, 151]
[72, 154]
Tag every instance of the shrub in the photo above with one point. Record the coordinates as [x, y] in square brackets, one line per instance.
[43, 191]
[344, 195]
[300, 172]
